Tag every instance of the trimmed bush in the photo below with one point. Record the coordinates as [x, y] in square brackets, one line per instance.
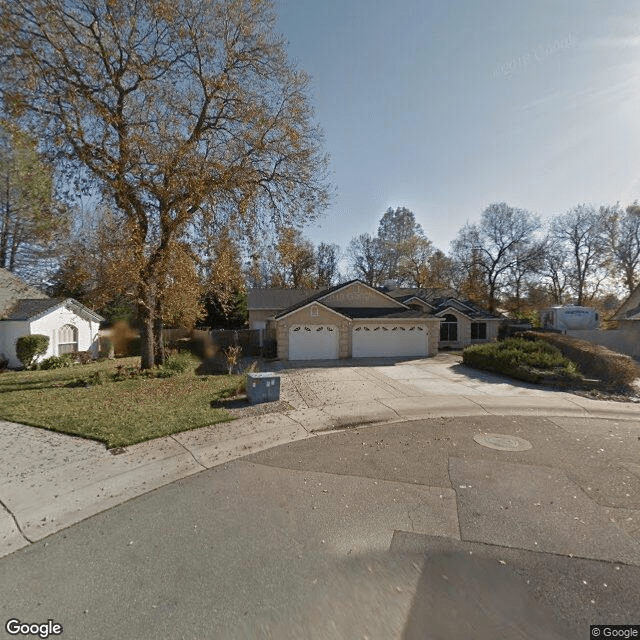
[180, 362]
[527, 360]
[28, 348]
[595, 361]
[57, 362]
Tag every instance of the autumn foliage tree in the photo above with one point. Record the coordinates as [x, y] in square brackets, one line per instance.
[167, 106]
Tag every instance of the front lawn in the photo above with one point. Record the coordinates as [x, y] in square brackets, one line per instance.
[118, 413]
[529, 360]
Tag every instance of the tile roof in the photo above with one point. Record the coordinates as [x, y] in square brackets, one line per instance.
[406, 293]
[275, 299]
[30, 308]
[469, 308]
[441, 299]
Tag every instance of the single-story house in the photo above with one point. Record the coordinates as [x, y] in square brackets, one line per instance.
[356, 320]
[353, 320]
[463, 321]
[24, 310]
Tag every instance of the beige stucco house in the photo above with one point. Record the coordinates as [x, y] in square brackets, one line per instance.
[463, 322]
[354, 320]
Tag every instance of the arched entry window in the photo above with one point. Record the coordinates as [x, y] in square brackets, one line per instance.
[67, 339]
[449, 328]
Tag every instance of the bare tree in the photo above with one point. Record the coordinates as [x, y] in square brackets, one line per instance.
[581, 232]
[327, 256]
[622, 230]
[367, 257]
[553, 271]
[167, 106]
[504, 240]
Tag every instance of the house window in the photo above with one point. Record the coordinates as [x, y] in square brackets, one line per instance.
[449, 328]
[314, 311]
[67, 339]
[478, 330]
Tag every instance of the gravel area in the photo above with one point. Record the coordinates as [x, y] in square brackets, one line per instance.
[240, 407]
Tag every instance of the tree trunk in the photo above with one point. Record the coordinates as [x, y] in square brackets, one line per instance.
[158, 342]
[146, 315]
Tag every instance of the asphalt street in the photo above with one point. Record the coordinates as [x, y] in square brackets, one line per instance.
[406, 530]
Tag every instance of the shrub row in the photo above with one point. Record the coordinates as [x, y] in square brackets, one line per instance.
[595, 361]
[520, 358]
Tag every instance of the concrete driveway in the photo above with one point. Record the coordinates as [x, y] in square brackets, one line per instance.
[52, 480]
[351, 392]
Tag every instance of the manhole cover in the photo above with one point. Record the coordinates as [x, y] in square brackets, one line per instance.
[502, 442]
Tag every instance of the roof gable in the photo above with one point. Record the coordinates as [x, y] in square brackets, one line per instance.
[359, 294]
[307, 305]
[33, 309]
[354, 292]
[418, 300]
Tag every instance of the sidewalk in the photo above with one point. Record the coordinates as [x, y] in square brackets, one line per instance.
[53, 481]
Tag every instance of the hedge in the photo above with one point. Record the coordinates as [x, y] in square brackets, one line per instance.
[595, 361]
[531, 361]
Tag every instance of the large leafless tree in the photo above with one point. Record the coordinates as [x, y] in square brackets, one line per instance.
[579, 234]
[504, 242]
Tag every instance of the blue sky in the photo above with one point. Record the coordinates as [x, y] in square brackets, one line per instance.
[446, 106]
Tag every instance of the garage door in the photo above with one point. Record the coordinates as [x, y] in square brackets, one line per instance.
[313, 342]
[389, 340]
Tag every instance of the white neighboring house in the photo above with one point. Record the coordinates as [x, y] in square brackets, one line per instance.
[24, 310]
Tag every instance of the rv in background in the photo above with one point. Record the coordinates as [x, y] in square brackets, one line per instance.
[569, 318]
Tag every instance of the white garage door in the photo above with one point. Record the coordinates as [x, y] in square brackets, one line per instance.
[388, 340]
[313, 342]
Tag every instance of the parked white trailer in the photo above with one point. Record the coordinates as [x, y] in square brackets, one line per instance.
[570, 318]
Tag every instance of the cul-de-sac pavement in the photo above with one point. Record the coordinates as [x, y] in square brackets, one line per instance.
[388, 499]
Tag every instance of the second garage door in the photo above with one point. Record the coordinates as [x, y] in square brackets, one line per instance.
[388, 340]
[313, 342]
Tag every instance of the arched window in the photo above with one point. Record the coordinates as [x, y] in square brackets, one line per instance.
[67, 339]
[449, 328]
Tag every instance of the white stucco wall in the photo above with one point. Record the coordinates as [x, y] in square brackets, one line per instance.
[49, 324]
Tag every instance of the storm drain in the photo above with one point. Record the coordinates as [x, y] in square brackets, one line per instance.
[502, 442]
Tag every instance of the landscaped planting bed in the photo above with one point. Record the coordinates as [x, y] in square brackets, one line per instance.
[528, 360]
[595, 361]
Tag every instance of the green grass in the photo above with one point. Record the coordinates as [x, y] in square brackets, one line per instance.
[116, 413]
[529, 360]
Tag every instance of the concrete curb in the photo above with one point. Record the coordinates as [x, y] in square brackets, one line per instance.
[40, 501]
